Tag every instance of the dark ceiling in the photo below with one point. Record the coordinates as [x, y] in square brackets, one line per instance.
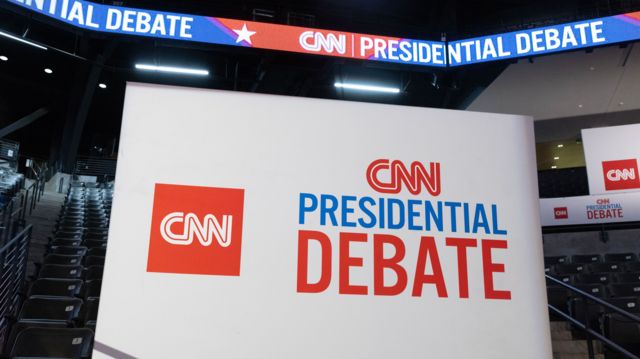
[24, 87]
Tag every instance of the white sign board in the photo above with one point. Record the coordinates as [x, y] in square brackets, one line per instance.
[278, 227]
[612, 155]
[609, 208]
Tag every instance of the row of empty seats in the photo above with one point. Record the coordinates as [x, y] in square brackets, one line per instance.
[593, 267]
[58, 316]
[592, 258]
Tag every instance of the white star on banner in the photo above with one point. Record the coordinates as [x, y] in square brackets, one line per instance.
[244, 34]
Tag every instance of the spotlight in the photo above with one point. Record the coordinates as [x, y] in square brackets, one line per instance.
[369, 88]
[172, 69]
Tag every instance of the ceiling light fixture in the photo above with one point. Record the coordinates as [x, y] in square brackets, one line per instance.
[4, 58]
[556, 158]
[554, 167]
[17, 38]
[172, 69]
[48, 71]
[102, 86]
[369, 88]
[560, 145]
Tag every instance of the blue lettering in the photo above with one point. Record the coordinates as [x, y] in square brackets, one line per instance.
[400, 205]
[328, 210]
[367, 212]
[347, 210]
[304, 208]
[480, 219]
[453, 206]
[494, 217]
[413, 214]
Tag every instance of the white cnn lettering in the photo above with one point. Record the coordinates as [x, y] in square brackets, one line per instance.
[621, 175]
[316, 41]
[192, 226]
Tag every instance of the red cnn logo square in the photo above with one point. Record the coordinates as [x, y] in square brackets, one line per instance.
[561, 213]
[196, 230]
[621, 174]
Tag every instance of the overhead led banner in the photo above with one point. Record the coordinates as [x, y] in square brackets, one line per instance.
[213, 30]
[303, 228]
[538, 41]
[128, 21]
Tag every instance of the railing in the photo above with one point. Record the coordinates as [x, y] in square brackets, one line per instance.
[103, 168]
[10, 217]
[32, 196]
[14, 257]
[586, 326]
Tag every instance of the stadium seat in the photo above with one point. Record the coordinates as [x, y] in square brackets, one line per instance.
[47, 309]
[94, 261]
[563, 269]
[93, 272]
[627, 277]
[92, 243]
[563, 278]
[53, 343]
[625, 331]
[605, 267]
[632, 267]
[549, 261]
[90, 314]
[66, 235]
[62, 259]
[619, 257]
[92, 288]
[585, 310]
[56, 287]
[592, 278]
[18, 327]
[624, 289]
[69, 250]
[100, 252]
[57, 242]
[629, 304]
[61, 271]
[558, 297]
[586, 258]
[596, 290]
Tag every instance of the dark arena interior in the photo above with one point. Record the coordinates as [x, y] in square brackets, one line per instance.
[124, 118]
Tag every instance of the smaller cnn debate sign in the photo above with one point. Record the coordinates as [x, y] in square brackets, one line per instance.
[595, 209]
[276, 227]
[612, 155]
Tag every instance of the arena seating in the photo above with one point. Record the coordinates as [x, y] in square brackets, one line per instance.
[14, 245]
[613, 277]
[58, 316]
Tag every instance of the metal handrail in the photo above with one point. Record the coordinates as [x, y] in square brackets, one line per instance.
[592, 332]
[585, 326]
[16, 238]
[582, 293]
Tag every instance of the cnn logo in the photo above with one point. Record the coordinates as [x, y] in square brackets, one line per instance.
[192, 227]
[316, 41]
[196, 230]
[561, 213]
[621, 174]
[387, 176]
